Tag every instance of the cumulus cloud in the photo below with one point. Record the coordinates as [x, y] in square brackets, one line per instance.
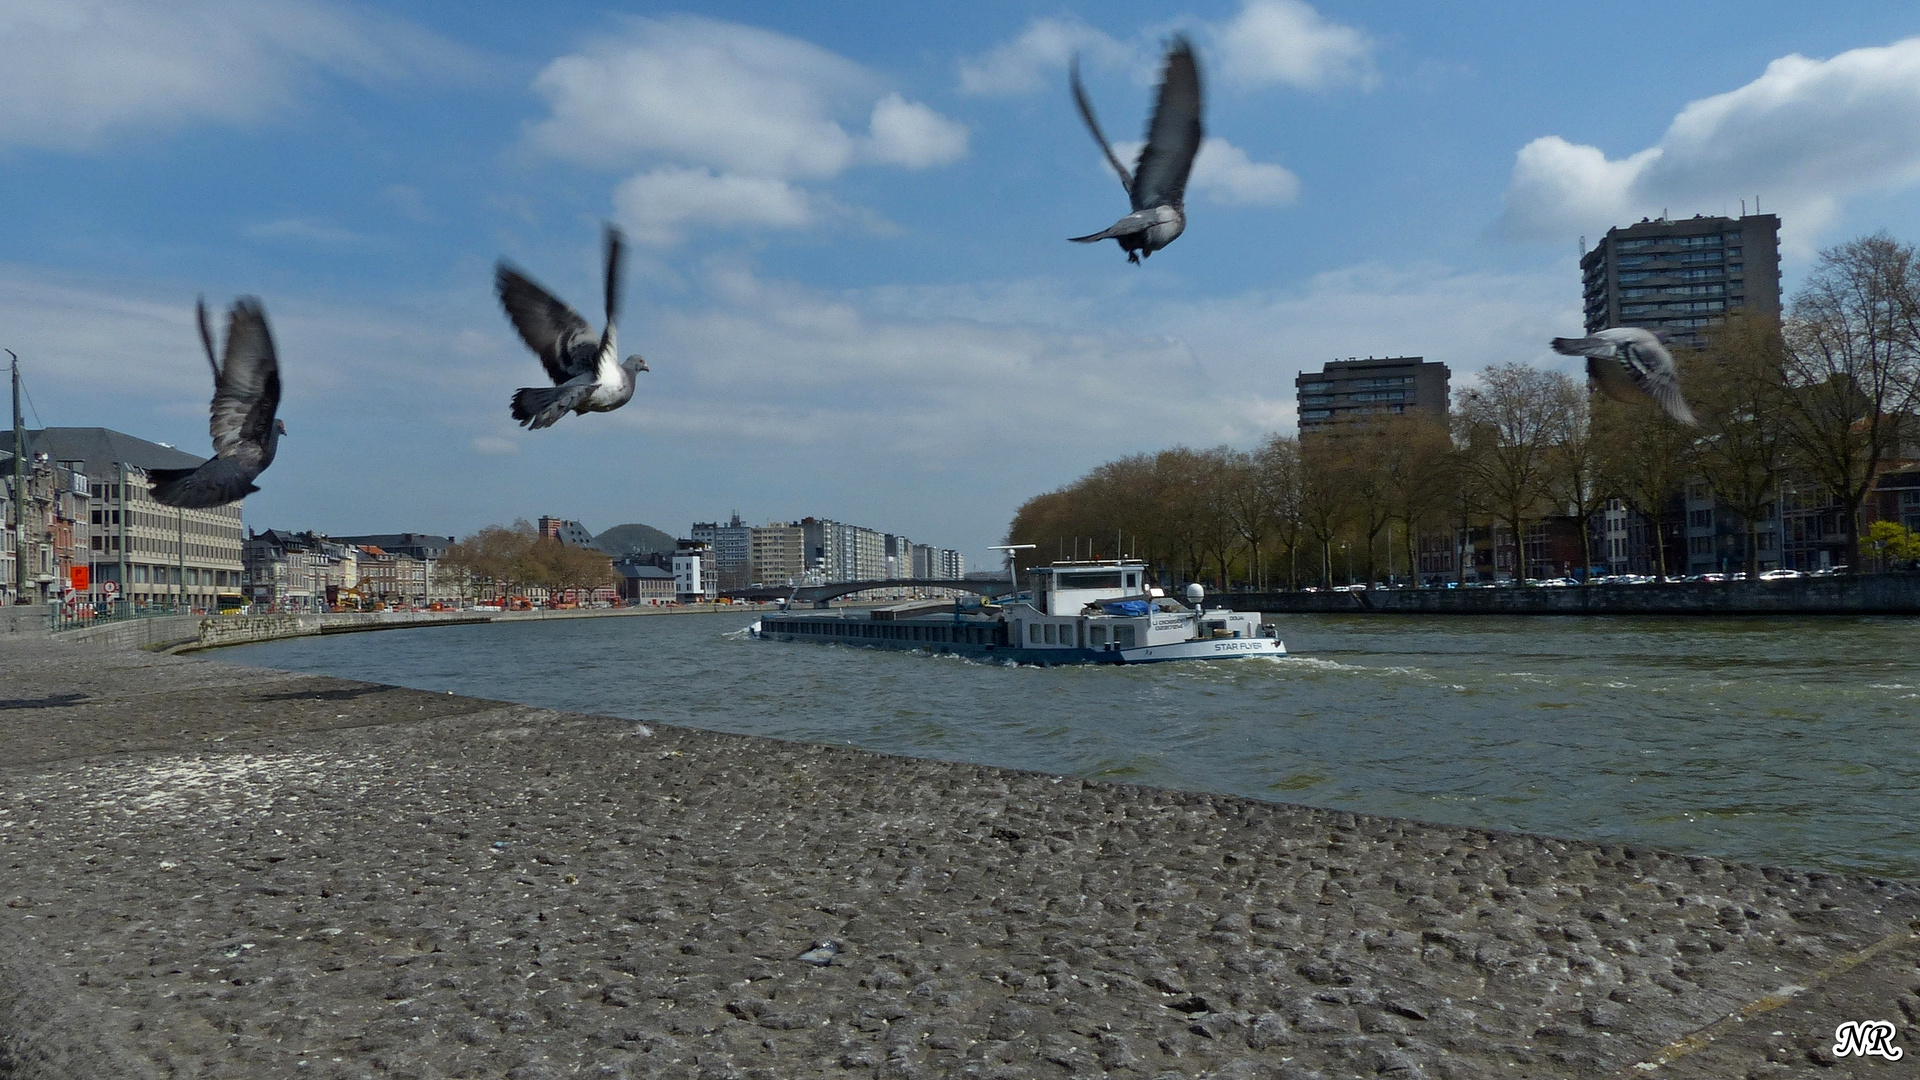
[1806, 136]
[1287, 42]
[725, 117]
[657, 206]
[1020, 66]
[1224, 173]
[73, 75]
[1270, 42]
[910, 134]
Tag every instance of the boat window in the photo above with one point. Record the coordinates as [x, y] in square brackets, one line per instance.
[1100, 579]
[1123, 636]
[1033, 632]
[1052, 639]
[1097, 635]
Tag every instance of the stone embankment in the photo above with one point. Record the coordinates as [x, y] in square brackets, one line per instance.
[1854, 594]
[186, 633]
[222, 872]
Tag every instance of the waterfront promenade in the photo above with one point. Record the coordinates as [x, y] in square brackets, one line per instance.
[218, 871]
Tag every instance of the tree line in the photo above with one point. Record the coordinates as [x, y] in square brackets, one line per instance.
[1824, 399]
[509, 558]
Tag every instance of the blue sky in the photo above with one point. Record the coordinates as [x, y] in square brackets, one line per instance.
[849, 272]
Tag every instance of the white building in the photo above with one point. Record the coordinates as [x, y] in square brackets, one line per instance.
[693, 576]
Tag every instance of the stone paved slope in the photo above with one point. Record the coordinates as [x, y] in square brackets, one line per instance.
[211, 871]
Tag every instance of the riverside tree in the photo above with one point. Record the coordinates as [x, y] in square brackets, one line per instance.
[1850, 377]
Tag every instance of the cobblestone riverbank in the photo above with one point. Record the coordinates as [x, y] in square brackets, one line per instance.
[215, 871]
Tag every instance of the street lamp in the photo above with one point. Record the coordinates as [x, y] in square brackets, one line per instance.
[1013, 573]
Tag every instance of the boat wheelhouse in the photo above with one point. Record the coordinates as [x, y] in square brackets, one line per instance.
[1102, 612]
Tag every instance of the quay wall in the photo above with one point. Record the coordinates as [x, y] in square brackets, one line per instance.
[186, 633]
[1860, 594]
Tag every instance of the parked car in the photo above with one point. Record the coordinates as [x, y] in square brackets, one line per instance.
[1780, 575]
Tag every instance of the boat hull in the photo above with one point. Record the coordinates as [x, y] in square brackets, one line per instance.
[851, 633]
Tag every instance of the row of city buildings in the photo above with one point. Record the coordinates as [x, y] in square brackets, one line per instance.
[1678, 277]
[718, 557]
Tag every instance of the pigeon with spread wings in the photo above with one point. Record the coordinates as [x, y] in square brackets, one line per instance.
[246, 394]
[586, 372]
[1628, 363]
[1158, 184]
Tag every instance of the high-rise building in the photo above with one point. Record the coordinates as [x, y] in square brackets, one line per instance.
[1347, 390]
[732, 545]
[1679, 277]
[778, 554]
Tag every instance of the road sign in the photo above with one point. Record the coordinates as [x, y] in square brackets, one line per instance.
[109, 587]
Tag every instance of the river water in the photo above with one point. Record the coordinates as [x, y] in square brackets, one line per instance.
[1783, 741]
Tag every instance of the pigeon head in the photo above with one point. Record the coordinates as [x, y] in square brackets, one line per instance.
[279, 427]
[635, 363]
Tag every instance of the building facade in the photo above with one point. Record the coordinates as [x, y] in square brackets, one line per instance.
[732, 544]
[777, 554]
[1346, 390]
[139, 551]
[693, 577]
[299, 571]
[46, 530]
[1680, 277]
[570, 533]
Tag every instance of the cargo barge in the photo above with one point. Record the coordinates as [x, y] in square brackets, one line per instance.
[1101, 612]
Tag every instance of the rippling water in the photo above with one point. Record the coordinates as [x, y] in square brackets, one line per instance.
[1784, 741]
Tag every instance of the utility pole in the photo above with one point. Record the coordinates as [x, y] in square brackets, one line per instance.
[19, 490]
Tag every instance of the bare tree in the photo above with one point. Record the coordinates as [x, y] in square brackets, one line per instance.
[1324, 499]
[1737, 388]
[1852, 367]
[1578, 480]
[1278, 460]
[1648, 458]
[1415, 469]
[1507, 427]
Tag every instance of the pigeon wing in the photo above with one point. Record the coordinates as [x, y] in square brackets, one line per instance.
[550, 328]
[247, 394]
[216, 483]
[1093, 125]
[1173, 135]
[1652, 369]
[616, 254]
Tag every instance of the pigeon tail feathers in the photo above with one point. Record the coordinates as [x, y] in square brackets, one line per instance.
[540, 406]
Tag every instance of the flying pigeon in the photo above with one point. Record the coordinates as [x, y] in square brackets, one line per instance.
[1631, 364]
[246, 393]
[1158, 184]
[586, 375]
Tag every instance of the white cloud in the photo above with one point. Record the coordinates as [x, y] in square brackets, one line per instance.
[1288, 42]
[696, 90]
[72, 75]
[1805, 136]
[1020, 65]
[657, 206]
[1284, 42]
[725, 117]
[307, 231]
[1224, 173]
[910, 134]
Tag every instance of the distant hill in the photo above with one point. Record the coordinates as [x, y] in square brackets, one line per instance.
[625, 539]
